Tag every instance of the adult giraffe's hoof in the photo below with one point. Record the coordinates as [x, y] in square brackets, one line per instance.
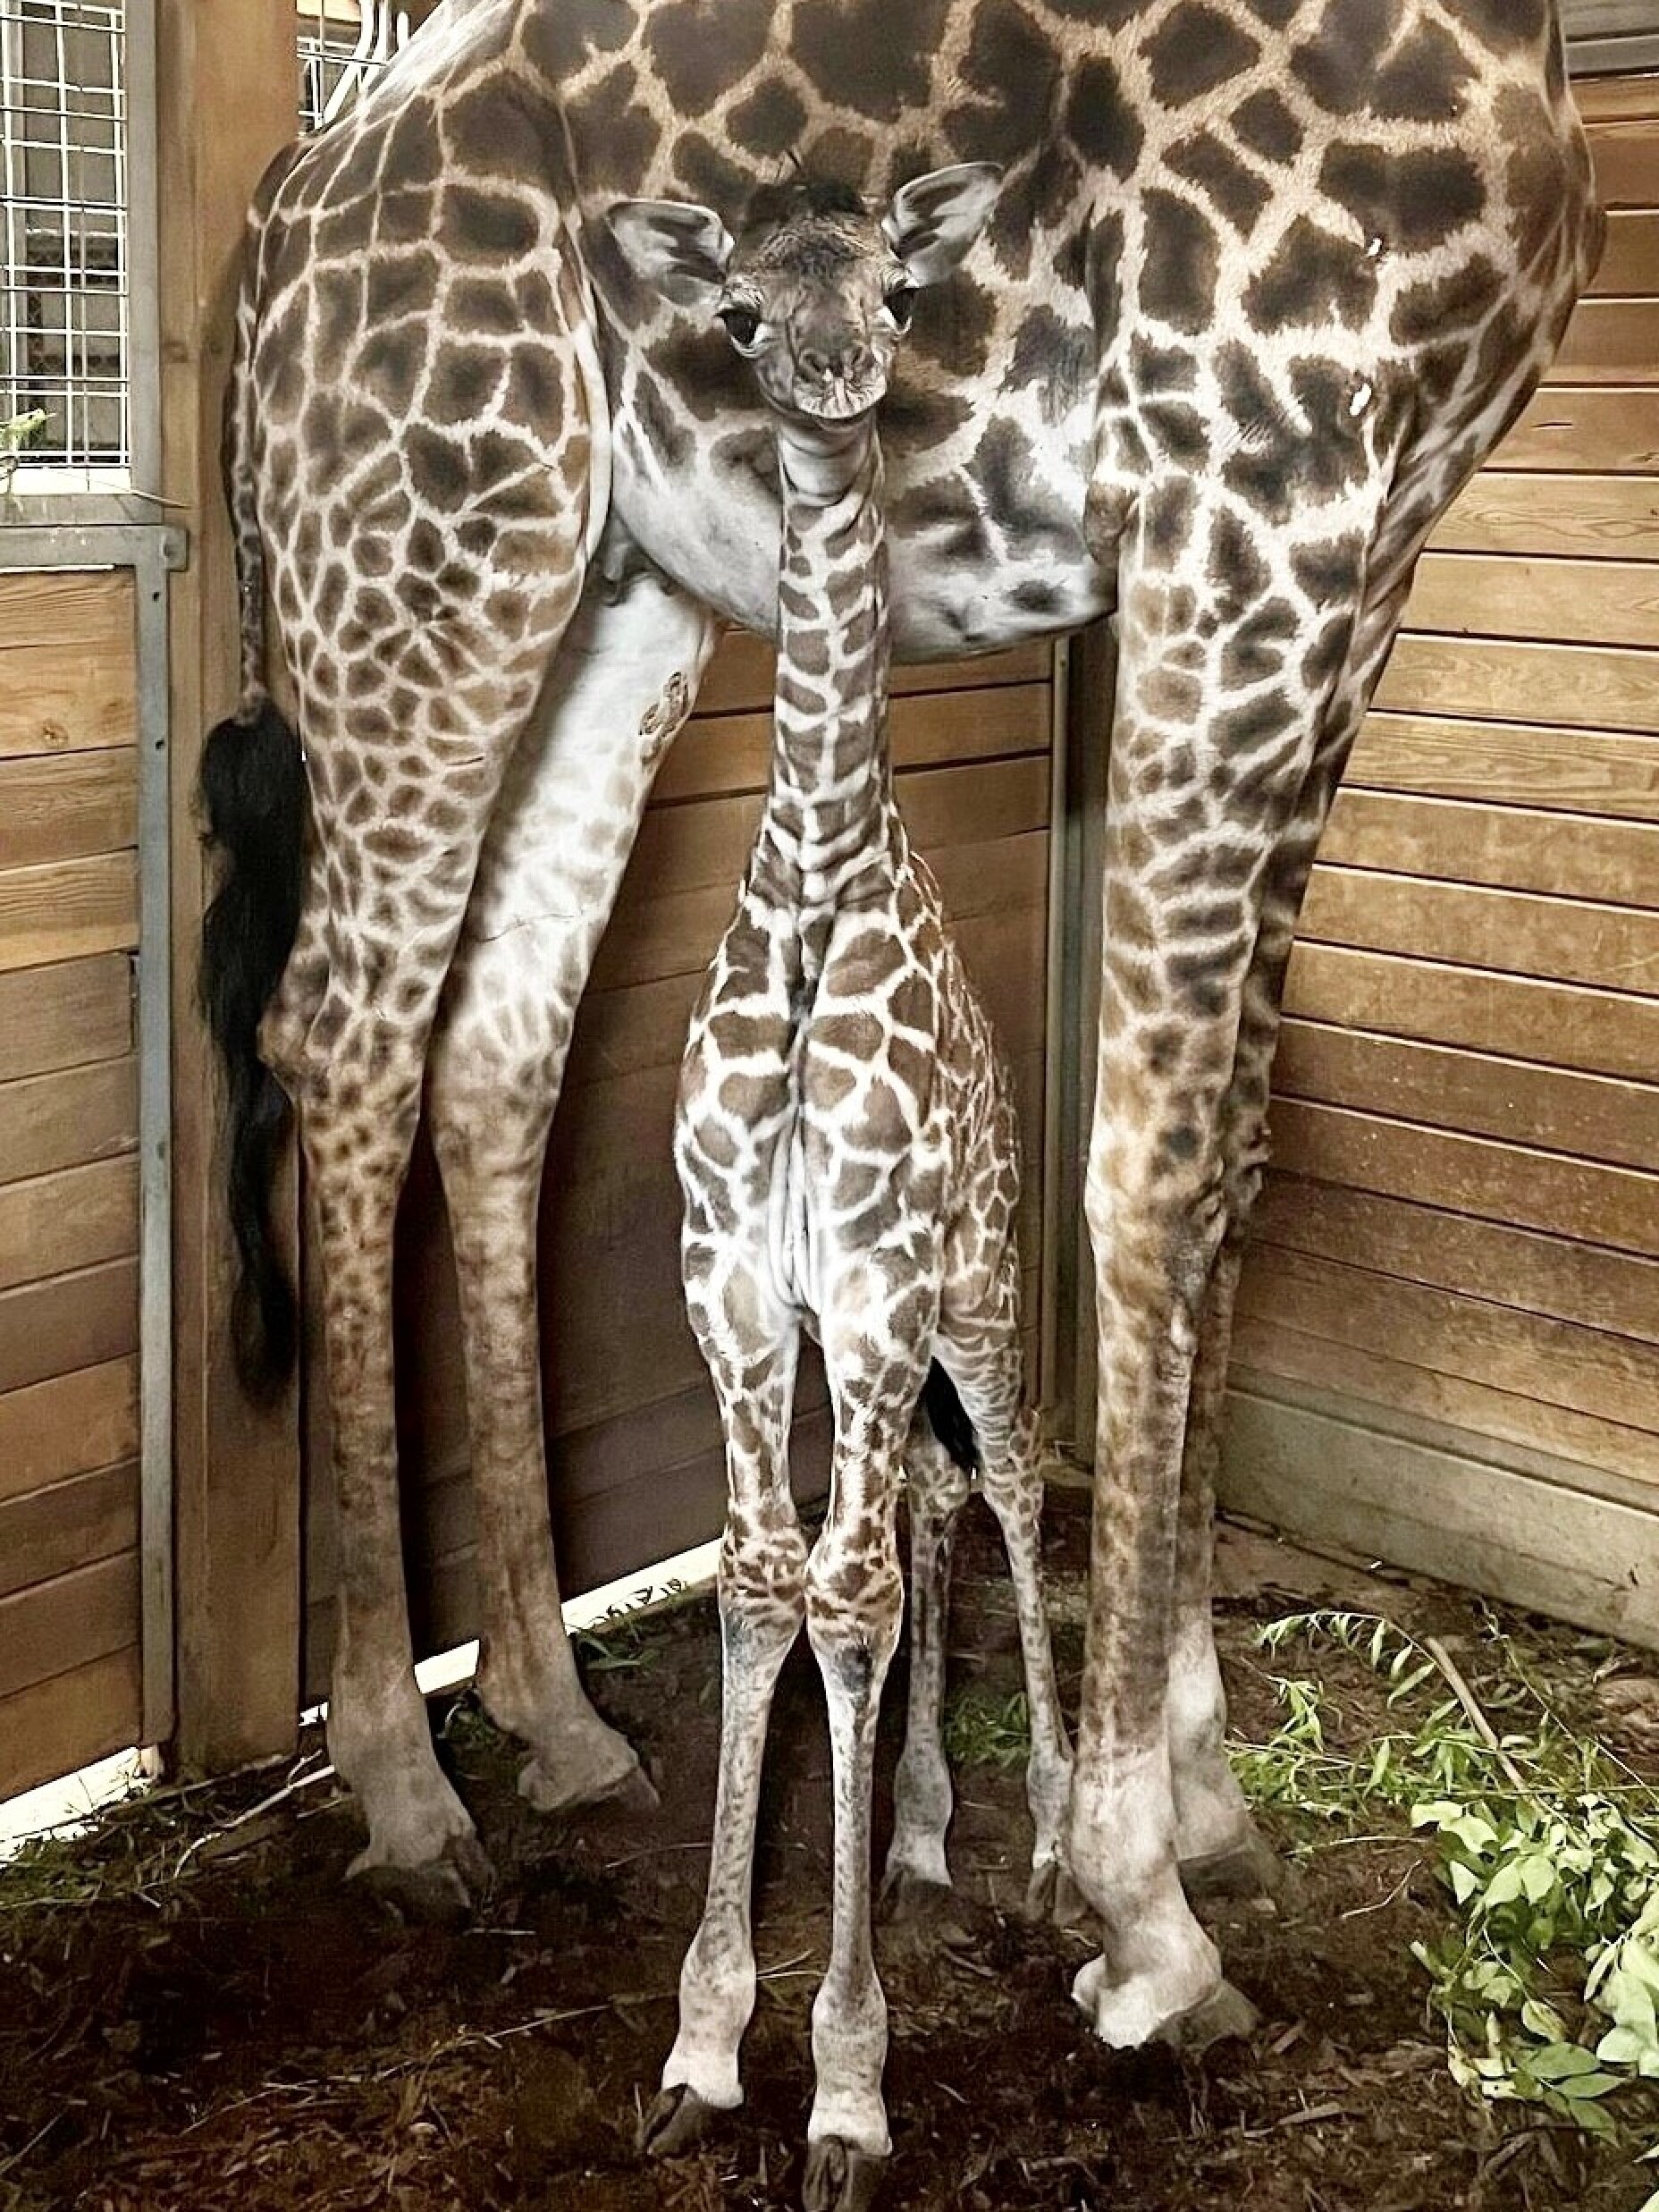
[603, 1768]
[443, 1891]
[1226, 2016]
[1250, 1868]
[841, 2178]
[675, 2119]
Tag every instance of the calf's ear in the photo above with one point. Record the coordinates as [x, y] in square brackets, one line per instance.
[680, 250]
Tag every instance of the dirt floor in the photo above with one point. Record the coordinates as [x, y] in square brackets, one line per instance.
[240, 2032]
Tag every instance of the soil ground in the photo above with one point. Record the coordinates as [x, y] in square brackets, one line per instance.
[199, 2016]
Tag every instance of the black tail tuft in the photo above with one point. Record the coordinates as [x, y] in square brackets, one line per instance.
[253, 793]
[949, 1419]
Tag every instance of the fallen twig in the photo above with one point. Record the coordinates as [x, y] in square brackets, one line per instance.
[1466, 1698]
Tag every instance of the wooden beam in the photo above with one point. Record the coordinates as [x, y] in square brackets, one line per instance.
[226, 81]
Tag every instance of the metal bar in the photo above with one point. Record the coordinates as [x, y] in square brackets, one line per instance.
[143, 353]
[80, 544]
[162, 550]
[1049, 1320]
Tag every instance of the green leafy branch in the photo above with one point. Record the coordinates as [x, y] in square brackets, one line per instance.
[1548, 1980]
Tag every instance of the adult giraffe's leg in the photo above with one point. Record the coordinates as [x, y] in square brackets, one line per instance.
[558, 841]
[1220, 1847]
[1228, 666]
[420, 613]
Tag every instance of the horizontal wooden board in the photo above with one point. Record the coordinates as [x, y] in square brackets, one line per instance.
[1617, 1207]
[1629, 262]
[683, 849]
[1626, 158]
[65, 1015]
[653, 936]
[1608, 99]
[1614, 603]
[1605, 1032]
[1264, 1347]
[1584, 428]
[1570, 940]
[1585, 1370]
[72, 1322]
[62, 1120]
[67, 806]
[1593, 1288]
[75, 1218]
[1547, 1108]
[1504, 848]
[1523, 1537]
[69, 908]
[739, 678]
[68, 1426]
[1613, 341]
[1580, 687]
[718, 754]
[50, 1533]
[67, 670]
[1509, 763]
[61, 1726]
[53, 1627]
[1596, 518]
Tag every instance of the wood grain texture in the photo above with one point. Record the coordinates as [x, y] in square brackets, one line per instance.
[1630, 265]
[1593, 518]
[1504, 848]
[60, 1725]
[1581, 428]
[66, 1622]
[1578, 687]
[68, 668]
[1549, 1108]
[62, 1120]
[739, 678]
[1613, 1291]
[49, 1532]
[1520, 1419]
[1570, 940]
[1530, 1537]
[67, 808]
[1605, 1033]
[1615, 1207]
[68, 1425]
[1522, 764]
[71, 1322]
[73, 1218]
[1602, 602]
[1626, 158]
[1585, 1370]
[65, 1015]
[1613, 341]
[68, 907]
[719, 755]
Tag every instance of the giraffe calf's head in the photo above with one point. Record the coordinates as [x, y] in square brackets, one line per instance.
[816, 290]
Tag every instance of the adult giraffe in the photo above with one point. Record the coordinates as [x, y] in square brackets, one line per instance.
[1265, 282]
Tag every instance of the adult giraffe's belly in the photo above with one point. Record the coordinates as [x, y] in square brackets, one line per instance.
[964, 580]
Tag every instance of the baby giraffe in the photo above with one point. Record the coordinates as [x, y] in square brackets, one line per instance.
[849, 1153]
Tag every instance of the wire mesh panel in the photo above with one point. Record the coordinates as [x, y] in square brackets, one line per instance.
[343, 46]
[63, 312]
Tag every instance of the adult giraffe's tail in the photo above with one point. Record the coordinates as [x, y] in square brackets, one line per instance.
[253, 802]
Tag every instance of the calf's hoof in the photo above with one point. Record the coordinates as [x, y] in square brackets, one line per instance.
[675, 2119]
[841, 2178]
[444, 1891]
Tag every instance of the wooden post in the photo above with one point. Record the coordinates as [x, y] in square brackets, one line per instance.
[226, 85]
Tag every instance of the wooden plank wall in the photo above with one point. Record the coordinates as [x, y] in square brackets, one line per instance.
[1463, 1226]
[633, 1439]
[69, 1194]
